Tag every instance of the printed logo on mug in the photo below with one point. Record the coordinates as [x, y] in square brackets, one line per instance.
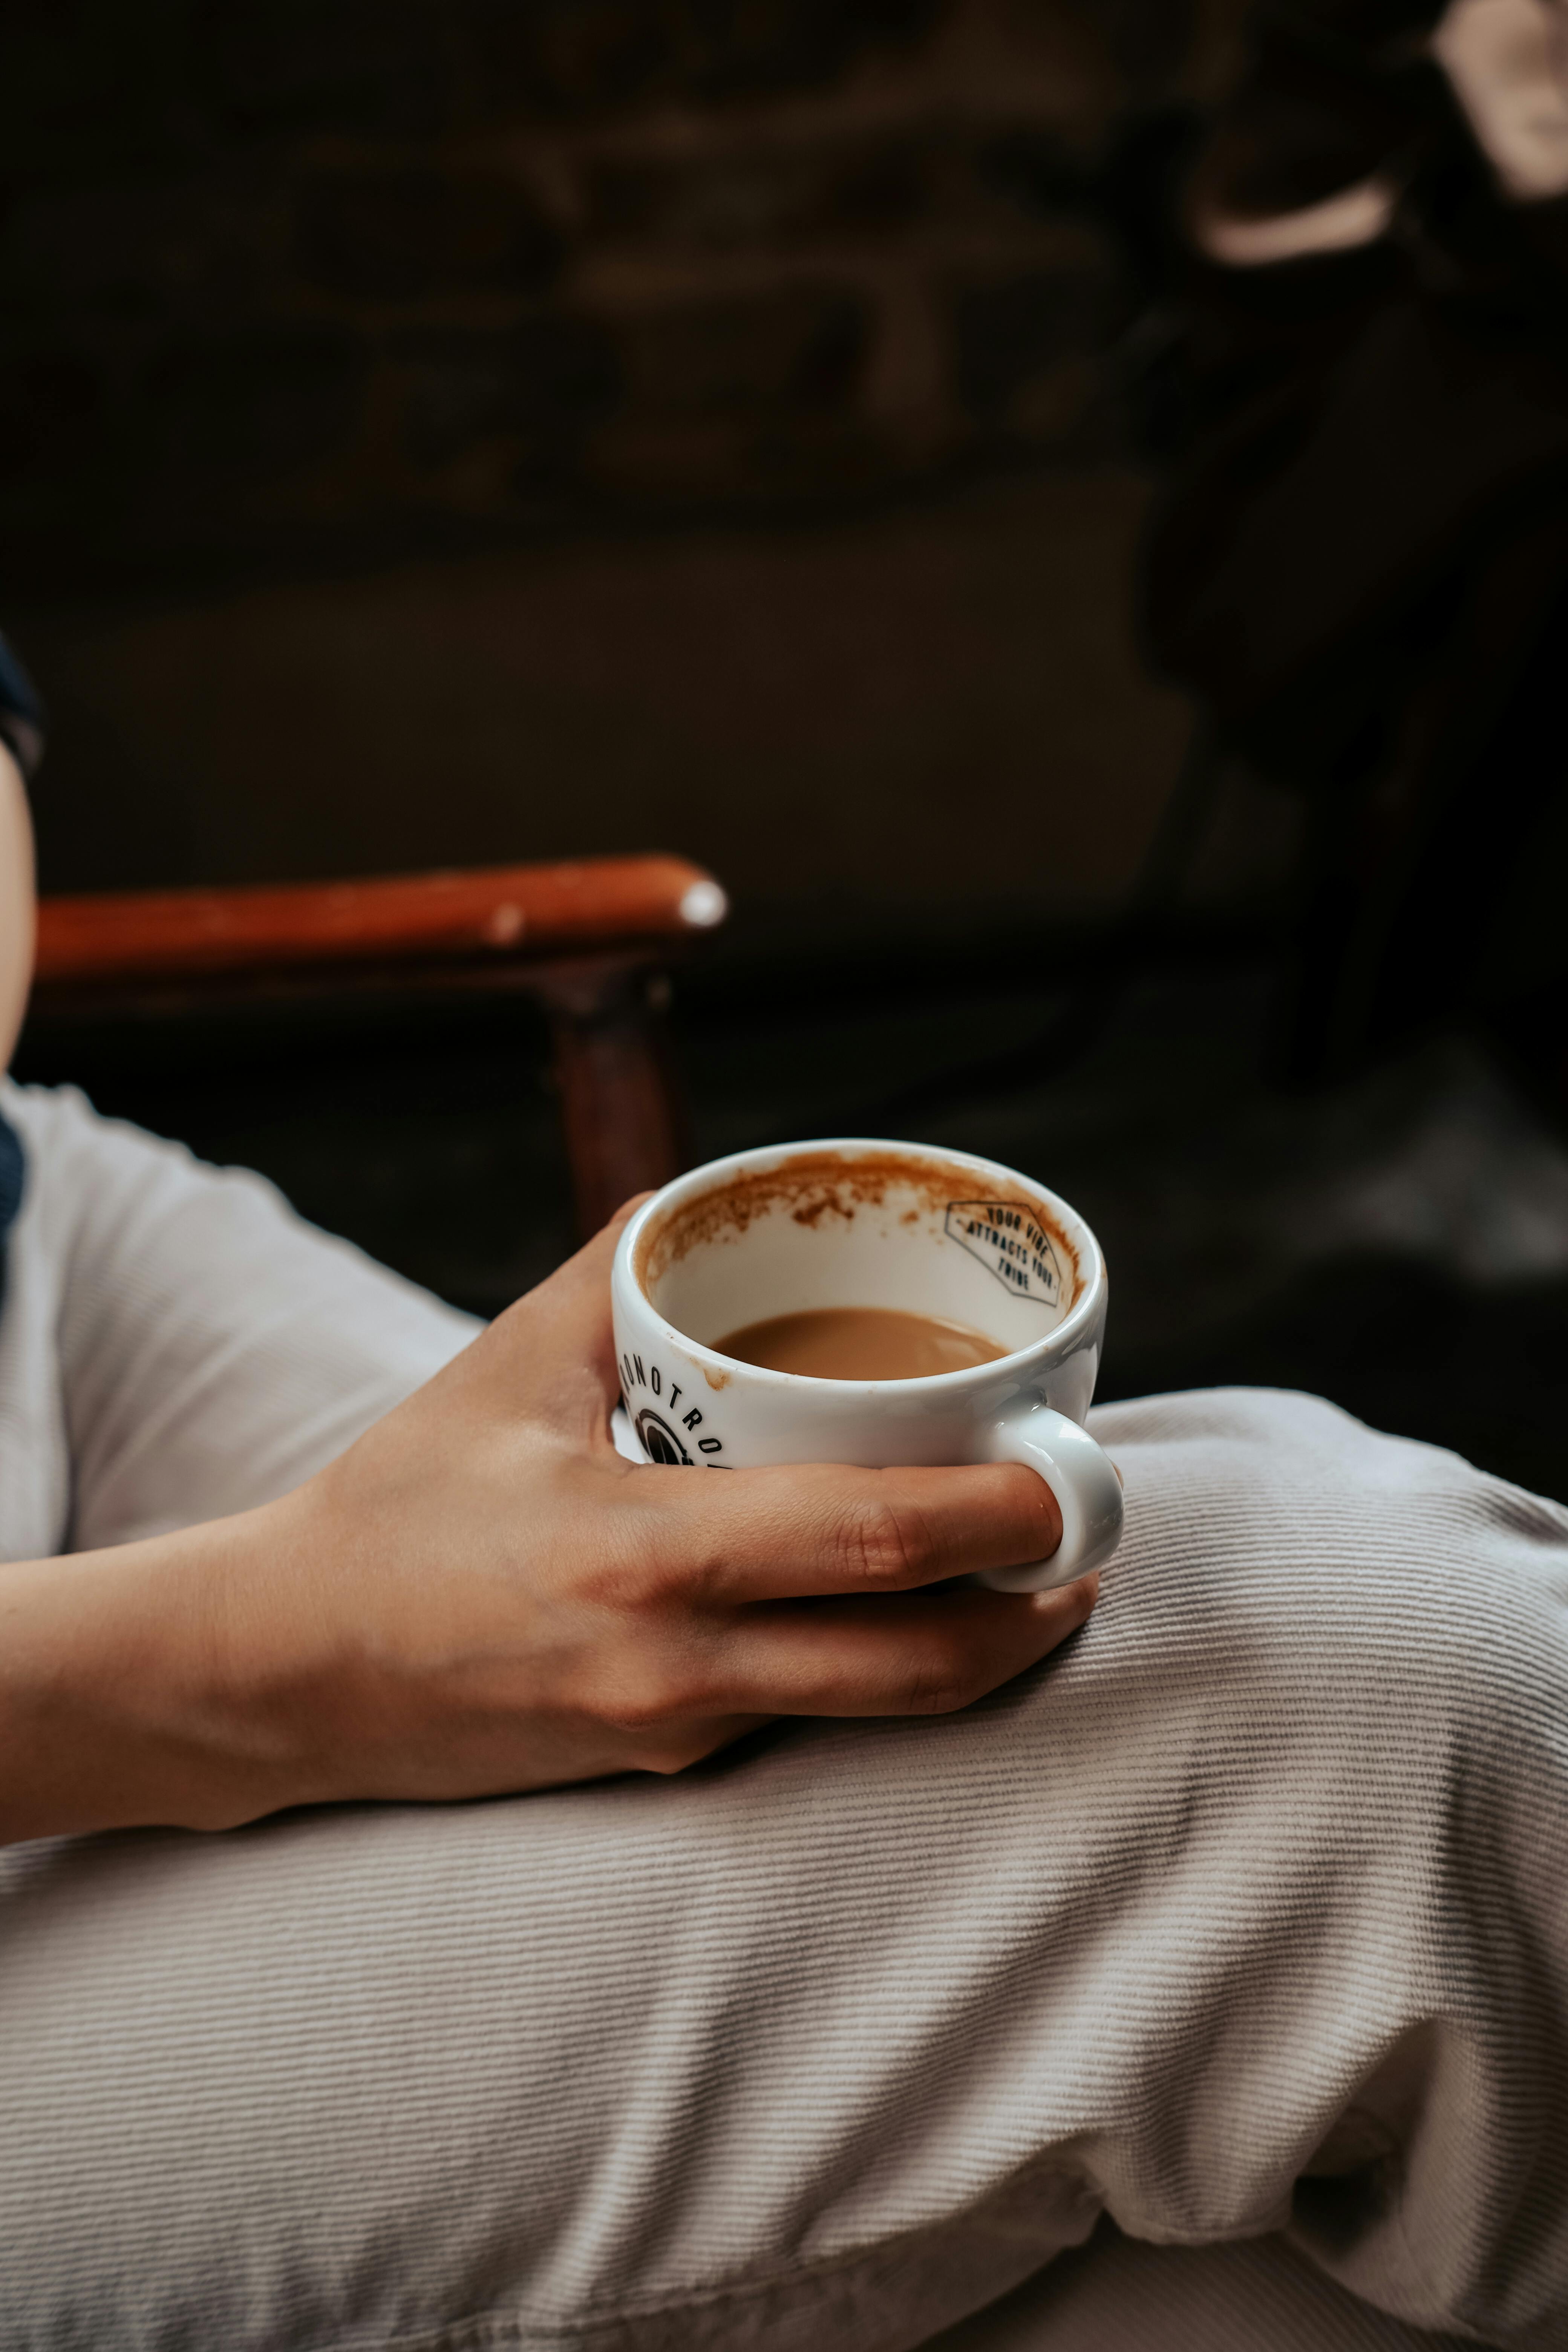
[887, 1303]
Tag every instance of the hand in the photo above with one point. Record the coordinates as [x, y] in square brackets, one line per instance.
[510, 1605]
[482, 1596]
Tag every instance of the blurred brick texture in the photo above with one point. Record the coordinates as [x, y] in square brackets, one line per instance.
[367, 274]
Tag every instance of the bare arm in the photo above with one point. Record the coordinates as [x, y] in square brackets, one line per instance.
[17, 917]
[482, 1596]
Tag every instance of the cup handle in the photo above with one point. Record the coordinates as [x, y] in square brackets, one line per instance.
[1087, 1489]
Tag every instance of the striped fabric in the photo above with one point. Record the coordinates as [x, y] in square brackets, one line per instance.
[1117, 2294]
[1245, 1918]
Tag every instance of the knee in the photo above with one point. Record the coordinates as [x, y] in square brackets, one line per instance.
[1328, 1593]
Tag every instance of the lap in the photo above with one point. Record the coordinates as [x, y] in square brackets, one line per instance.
[847, 2033]
[1257, 2294]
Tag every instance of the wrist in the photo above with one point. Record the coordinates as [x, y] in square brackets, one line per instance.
[150, 1685]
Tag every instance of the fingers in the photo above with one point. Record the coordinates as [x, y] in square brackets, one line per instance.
[916, 1654]
[768, 1535]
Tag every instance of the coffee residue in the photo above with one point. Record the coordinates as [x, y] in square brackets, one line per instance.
[809, 1187]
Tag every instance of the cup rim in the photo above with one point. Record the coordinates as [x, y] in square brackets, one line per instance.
[1083, 1240]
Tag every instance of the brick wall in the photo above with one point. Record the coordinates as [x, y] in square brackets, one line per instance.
[299, 274]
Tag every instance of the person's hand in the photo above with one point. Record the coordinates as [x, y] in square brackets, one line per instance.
[482, 1596]
[503, 1602]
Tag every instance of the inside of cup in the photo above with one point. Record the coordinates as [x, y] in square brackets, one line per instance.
[842, 1229]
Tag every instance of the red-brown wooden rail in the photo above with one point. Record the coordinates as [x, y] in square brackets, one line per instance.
[587, 938]
[592, 905]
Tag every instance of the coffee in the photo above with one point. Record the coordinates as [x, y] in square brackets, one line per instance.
[941, 1265]
[859, 1343]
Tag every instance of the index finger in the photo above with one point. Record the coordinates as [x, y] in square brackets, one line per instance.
[793, 1532]
[554, 1348]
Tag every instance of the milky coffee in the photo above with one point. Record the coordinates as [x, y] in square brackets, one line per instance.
[859, 1343]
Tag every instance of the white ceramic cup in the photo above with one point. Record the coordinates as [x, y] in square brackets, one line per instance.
[855, 1223]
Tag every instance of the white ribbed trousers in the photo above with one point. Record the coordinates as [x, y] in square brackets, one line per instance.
[1244, 1918]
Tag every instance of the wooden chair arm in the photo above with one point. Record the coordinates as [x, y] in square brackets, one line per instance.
[504, 913]
[584, 939]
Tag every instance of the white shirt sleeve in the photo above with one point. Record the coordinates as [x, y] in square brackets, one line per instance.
[205, 1349]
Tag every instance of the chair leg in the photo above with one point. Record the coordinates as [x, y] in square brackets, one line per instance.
[621, 1105]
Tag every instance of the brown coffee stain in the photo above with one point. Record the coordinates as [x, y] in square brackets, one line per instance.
[812, 1186]
[812, 1211]
[715, 1379]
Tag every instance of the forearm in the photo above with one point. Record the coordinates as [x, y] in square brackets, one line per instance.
[143, 1686]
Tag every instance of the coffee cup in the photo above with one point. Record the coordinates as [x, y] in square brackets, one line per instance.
[907, 1230]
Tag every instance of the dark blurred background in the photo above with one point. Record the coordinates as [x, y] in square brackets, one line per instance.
[784, 431]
